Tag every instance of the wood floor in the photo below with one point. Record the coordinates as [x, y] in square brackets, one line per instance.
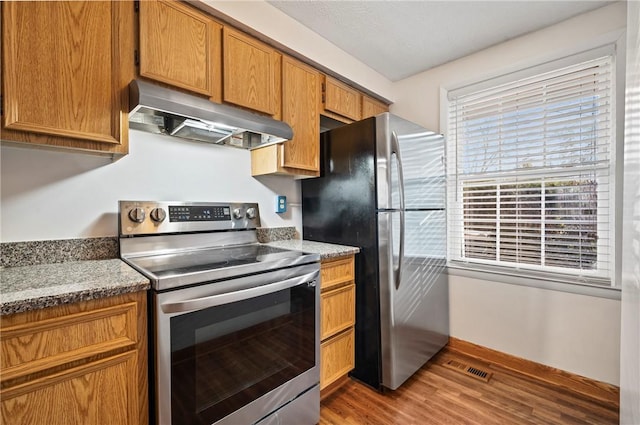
[440, 395]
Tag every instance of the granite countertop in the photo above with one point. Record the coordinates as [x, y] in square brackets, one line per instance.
[326, 250]
[45, 285]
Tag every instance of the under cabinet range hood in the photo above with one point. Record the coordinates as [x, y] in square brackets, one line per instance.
[161, 110]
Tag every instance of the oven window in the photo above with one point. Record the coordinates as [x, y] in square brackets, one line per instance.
[224, 357]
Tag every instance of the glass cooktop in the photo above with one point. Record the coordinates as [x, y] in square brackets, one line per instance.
[209, 264]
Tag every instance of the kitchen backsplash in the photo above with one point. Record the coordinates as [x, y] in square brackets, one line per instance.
[30, 253]
[272, 234]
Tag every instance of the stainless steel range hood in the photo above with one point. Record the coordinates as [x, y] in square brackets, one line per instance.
[160, 110]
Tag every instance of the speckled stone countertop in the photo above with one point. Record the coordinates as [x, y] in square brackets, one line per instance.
[326, 250]
[46, 285]
[287, 238]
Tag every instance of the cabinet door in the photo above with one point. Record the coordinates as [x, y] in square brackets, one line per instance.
[66, 66]
[300, 92]
[341, 99]
[249, 72]
[372, 107]
[181, 47]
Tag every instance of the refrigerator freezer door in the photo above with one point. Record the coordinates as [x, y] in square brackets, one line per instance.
[421, 153]
[414, 312]
[423, 170]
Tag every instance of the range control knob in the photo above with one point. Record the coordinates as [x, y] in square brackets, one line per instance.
[158, 215]
[136, 215]
[251, 213]
[237, 213]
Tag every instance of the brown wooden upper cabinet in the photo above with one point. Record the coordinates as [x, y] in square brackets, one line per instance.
[372, 107]
[250, 72]
[340, 101]
[300, 99]
[181, 46]
[65, 68]
[300, 92]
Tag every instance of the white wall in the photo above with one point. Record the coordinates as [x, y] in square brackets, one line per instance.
[577, 333]
[49, 194]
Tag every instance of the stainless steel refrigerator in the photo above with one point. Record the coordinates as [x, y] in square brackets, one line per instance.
[382, 188]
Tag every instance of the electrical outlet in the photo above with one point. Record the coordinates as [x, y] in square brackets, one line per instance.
[281, 204]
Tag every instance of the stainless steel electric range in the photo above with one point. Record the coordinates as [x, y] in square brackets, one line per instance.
[234, 325]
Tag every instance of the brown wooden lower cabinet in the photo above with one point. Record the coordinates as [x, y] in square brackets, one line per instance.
[82, 363]
[337, 320]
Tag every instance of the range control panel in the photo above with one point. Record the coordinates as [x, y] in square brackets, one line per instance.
[153, 217]
[199, 213]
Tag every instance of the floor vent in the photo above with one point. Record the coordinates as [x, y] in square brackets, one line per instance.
[474, 372]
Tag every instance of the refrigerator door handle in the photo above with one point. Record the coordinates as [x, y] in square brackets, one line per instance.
[398, 271]
[395, 149]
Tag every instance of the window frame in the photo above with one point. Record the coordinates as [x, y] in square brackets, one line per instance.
[549, 276]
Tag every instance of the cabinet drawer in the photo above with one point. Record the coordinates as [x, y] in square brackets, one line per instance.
[48, 343]
[336, 272]
[337, 310]
[337, 357]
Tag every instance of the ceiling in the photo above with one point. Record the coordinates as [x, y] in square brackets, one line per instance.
[400, 38]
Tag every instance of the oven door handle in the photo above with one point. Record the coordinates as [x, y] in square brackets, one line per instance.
[243, 294]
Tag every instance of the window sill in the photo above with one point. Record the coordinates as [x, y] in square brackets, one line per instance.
[535, 282]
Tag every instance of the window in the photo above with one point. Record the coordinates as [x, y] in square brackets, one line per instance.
[530, 172]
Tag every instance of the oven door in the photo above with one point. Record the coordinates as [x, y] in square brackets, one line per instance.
[235, 351]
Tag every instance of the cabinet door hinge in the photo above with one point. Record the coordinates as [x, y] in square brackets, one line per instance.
[136, 5]
[136, 57]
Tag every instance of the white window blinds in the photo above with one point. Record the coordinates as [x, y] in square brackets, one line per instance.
[530, 172]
